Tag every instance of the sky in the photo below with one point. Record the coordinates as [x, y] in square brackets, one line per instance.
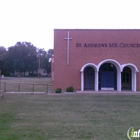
[35, 20]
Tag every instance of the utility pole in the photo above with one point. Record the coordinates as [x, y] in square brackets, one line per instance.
[38, 65]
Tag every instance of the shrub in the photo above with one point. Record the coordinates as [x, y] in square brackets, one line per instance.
[58, 90]
[70, 89]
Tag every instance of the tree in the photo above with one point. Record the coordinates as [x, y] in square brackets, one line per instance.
[44, 57]
[2, 63]
[23, 56]
[50, 55]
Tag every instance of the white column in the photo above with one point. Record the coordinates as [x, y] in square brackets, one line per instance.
[96, 81]
[118, 80]
[133, 81]
[82, 81]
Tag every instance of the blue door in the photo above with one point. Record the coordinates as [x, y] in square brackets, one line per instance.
[107, 79]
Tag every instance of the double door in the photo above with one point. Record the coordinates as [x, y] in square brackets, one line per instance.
[107, 80]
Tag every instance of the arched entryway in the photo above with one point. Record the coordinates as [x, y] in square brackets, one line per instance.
[107, 77]
[87, 71]
[111, 70]
[89, 78]
[126, 79]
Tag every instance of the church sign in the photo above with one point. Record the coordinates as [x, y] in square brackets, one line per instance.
[122, 45]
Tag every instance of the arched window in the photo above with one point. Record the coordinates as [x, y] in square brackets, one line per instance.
[89, 78]
[126, 78]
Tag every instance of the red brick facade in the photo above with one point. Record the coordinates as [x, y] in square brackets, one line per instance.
[92, 46]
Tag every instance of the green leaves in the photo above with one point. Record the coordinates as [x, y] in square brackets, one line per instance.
[24, 57]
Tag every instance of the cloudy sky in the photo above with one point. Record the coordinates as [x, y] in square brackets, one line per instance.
[35, 20]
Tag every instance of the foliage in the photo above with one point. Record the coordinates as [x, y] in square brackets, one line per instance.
[44, 59]
[2, 55]
[70, 89]
[24, 57]
[58, 90]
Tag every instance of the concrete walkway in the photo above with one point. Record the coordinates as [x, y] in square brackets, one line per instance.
[81, 92]
[25, 93]
[109, 92]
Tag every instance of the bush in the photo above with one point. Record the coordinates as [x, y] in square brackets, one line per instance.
[58, 90]
[70, 89]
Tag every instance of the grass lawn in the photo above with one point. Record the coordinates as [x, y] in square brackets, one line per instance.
[68, 117]
[15, 84]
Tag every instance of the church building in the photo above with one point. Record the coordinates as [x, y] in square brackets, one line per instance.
[96, 59]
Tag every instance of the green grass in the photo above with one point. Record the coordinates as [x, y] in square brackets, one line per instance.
[15, 84]
[68, 117]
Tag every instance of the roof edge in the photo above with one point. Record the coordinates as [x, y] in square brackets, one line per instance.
[98, 29]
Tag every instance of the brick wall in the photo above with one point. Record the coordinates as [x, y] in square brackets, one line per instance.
[67, 75]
